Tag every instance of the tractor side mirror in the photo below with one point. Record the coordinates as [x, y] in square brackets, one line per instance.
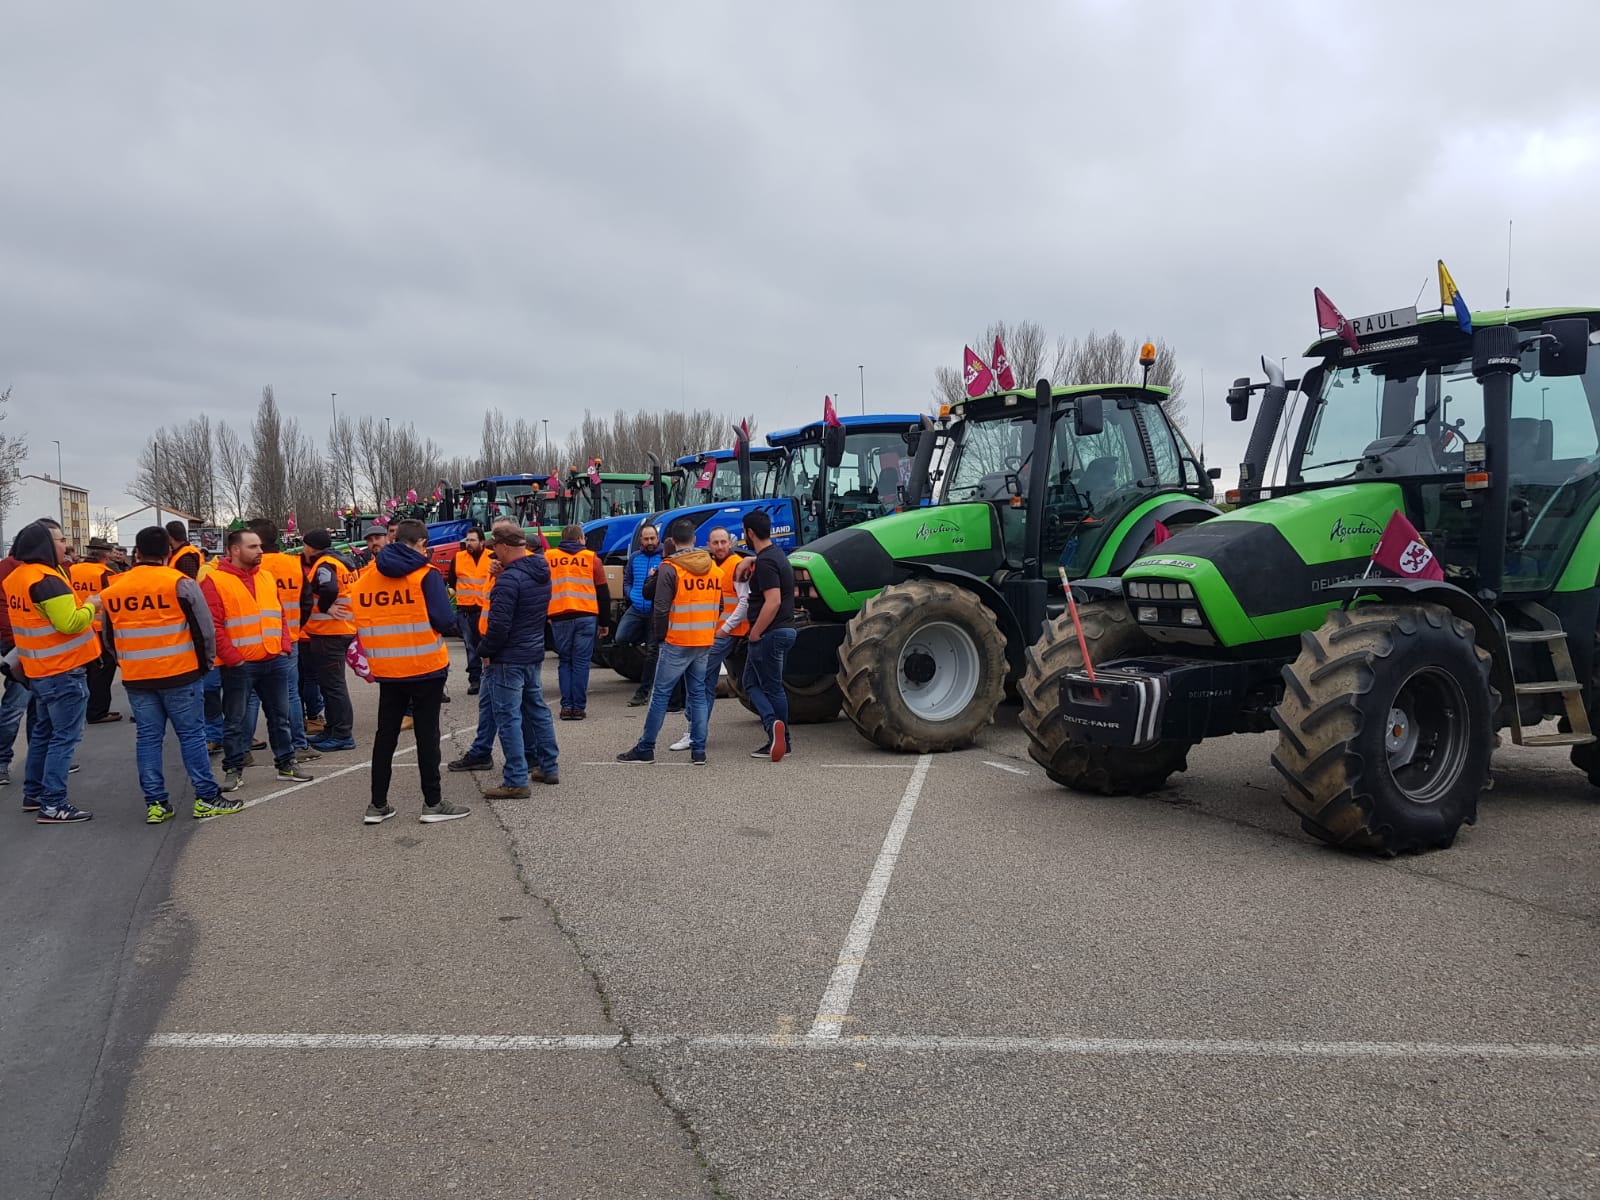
[1564, 347]
[1239, 399]
[913, 439]
[833, 445]
[1213, 472]
[1088, 416]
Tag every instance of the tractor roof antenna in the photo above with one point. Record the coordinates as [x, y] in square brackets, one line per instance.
[1202, 415]
[1508, 262]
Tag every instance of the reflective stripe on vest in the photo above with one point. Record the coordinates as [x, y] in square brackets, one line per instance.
[472, 579]
[730, 596]
[483, 615]
[148, 627]
[289, 572]
[693, 620]
[396, 635]
[44, 651]
[572, 587]
[88, 579]
[253, 620]
[321, 624]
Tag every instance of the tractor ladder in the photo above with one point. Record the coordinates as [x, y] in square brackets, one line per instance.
[1562, 680]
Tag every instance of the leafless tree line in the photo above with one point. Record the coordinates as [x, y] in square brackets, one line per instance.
[1097, 358]
[276, 467]
[13, 450]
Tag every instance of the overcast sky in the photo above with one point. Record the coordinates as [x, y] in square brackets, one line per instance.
[433, 209]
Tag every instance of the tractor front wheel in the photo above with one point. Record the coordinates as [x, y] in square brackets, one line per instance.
[1386, 728]
[813, 699]
[922, 667]
[1587, 758]
[1110, 633]
[627, 660]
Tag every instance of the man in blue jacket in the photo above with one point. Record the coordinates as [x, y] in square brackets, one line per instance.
[634, 627]
[511, 652]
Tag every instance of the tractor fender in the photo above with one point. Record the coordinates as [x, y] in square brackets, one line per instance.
[1460, 602]
[1016, 646]
[1192, 512]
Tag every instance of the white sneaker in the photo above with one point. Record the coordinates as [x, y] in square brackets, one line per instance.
[681, 744]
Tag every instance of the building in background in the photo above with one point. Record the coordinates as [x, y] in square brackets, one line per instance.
[128, 526]
[41, 496]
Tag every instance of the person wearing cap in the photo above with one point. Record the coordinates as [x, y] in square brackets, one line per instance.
[401, 610]
[55, 640]
[512, 650]
[578, 595]
[159, 626]
[469, 576]
[89, 578]
[376, 537]
[479, 756]
[326, 618]
[288, 572]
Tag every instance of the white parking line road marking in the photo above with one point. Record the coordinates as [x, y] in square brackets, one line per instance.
[905, 1043]
[1000, 766]
[835, 1004]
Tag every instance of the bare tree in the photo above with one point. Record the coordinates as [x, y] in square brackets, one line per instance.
[176, 469]
[625, 441]
[312, 498]
[13, 449]
[369, 458]
[233, 469]
[105, 525]
[342, 459]
[269, 475]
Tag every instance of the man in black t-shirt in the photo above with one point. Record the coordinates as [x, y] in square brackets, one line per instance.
[771, 634]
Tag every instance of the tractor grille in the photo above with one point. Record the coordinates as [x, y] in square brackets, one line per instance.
[1160, 603]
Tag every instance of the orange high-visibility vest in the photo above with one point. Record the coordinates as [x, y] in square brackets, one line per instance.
[730, 595]
[693, 619]
[254, 621]
[472, 579]
[44, 652]
[289, 573]
[321, 624]
[572, 586]
[483, 613]
[392, 618]
[148, 626]
[184, 551]
[88, 579]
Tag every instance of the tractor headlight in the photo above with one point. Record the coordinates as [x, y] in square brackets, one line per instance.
[1190, 616]
[1136, 591]
[1145, 614]
[1185, 592]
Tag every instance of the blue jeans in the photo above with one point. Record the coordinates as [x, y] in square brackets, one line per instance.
[763, 678]
[289, 666]
[12, 706]
[467, 622]
[60, 707]
[574, 639]
[213, 694]
[185, 707]
[483, 744]
[523, 719]
[687, 663]
[720, 649]
[264, 679]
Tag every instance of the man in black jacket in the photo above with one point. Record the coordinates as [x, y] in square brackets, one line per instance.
[512, 651]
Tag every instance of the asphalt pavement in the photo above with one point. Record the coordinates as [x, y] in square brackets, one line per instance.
[850, 974]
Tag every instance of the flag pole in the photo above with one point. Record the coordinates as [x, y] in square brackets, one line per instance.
[1077, 625]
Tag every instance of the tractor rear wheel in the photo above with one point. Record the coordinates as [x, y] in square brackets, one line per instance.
[1386, 728]
[922, 667]
[813, 699]
[1587, 758]
[1109, 770]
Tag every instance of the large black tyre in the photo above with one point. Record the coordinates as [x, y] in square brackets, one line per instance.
[1587, 758]
[922, 667]
[1386, 728]
[627, 660]
[1108, 770]
[813, 699]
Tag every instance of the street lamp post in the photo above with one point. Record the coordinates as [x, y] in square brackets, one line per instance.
[61, 495]
[863, 371]
[388, 456]
[546, 421]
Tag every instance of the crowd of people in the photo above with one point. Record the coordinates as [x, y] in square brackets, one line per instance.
[210, 647]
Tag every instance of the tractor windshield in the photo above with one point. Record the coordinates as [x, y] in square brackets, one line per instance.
[723, 487]
[621, 498]
[866, 484]
[491, 502]
[1412, 417]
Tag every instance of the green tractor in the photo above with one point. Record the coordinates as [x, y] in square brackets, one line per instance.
[1471, 448]
[925, 615]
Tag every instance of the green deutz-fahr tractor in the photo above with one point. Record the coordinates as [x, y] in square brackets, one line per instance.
[1386, 690]
[925, 614]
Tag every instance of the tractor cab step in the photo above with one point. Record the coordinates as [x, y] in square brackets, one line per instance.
[1558, 680]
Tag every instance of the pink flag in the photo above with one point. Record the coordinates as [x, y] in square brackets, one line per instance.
[979, 378]
[438, 494]
[411, 495]
[290, 528]
[1329, 317]
[1004, 376]
[357, 659]
[594, 470]
[1402, 550]
[707, 475]
[829, 415]
[1162, 533]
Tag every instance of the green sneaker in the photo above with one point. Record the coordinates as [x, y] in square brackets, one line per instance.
[158, 812]
[216, 807]
[376, 815]
[443, 811]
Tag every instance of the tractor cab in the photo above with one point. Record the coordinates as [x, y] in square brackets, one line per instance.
[528, 499]
[616, 494]
[840, 475]
[716, 477]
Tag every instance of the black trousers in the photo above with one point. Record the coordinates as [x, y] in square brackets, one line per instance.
[101, 672]
[423, 699]
[327, 653]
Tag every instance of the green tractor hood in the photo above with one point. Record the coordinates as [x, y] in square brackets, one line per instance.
[1250, 571]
